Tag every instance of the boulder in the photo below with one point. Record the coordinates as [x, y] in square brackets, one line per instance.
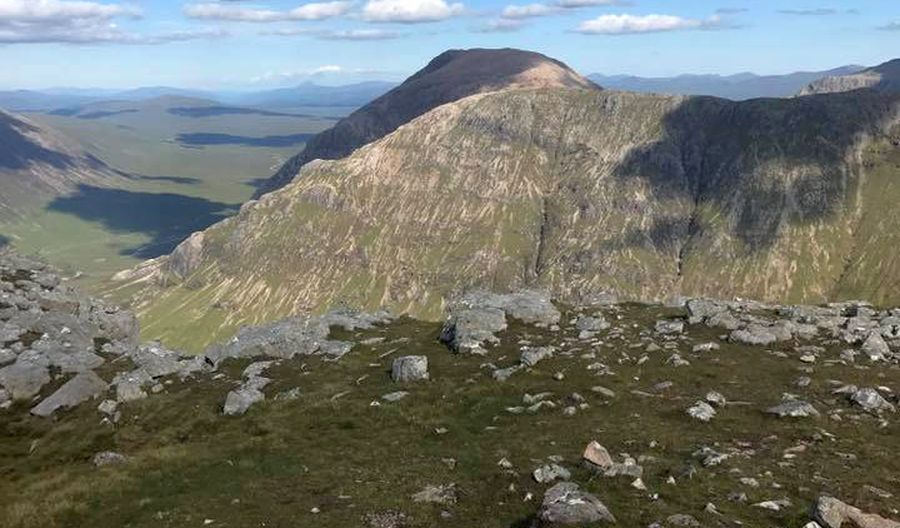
[24, 379]
[238, 401]
[565, 504]
[871, 401]
[82, 387]
[531, 356]
[793, 409]
[702, 411]
[409, 368]
[832, 513]
[597, 455]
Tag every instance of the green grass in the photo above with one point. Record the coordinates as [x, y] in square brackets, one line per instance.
[348, 458]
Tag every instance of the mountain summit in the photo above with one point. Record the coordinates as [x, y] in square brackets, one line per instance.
[450, 76]
[882, 78]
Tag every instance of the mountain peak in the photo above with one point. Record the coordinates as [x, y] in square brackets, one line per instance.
[452, 75]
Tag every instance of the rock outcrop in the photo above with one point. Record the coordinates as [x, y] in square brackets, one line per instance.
[882, 78]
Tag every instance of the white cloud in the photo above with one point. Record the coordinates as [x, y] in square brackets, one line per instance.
[59, 10]
[528, 11]
[328, 34]
[79, 22]
[410, 11]
[311, 11]
[630, 24]
[893, 26]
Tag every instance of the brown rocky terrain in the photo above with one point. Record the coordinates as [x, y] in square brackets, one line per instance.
[450, 76]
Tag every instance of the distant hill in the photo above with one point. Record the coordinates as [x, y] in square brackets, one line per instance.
[737, 87]
[310, 94]
[451, 76]
[38, 163]
[882, 78]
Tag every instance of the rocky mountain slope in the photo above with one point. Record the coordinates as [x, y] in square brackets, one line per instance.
[578, 192]
[450, 76]
[38, 163]
[737, 87]
[882, 78]
[514, 412]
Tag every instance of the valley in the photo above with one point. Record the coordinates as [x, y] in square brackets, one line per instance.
[179, 165]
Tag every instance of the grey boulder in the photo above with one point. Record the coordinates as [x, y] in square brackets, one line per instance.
[565, 504]
[83, 387]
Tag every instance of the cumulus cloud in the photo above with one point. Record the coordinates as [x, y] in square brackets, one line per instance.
[233, 13]
[410, 11]
[632, 24]
[79, 22]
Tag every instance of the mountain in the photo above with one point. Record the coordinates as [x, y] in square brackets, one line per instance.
[737, 87]
[38, 163]
[450, 76]
[579, 192]
[882, 78]
[310, 94]
[38, 101]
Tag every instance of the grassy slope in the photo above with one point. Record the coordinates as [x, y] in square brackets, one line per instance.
[347, 458]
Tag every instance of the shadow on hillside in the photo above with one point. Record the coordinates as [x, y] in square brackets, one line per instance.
[180, 180]
[19, 151]
[4, 241]
[166, 218]
[209, 139]
[763, 163]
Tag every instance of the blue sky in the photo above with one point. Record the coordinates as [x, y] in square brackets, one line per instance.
[265, 43]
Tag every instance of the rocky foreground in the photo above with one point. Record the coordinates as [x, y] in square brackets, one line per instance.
[514, 412]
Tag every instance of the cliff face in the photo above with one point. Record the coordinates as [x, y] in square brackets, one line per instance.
[882, 78]
[37, 162]
[449, 77]
[579, 192]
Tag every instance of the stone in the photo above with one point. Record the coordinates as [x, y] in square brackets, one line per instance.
[793, 409]
[597, 455]
[238, 401]
[531, 356]
[870, 400]
[129, 385]
[596, 323]
[24, 379]
[409, 368]
[550, 472]
[108, 458]
[395, 396]
[444, 494]
[832, 513]
[108, 407]
[875, 347]
[682, 520]
[565, 504]
[754, 334]
[84, 386]
[669, 326]
[702, 411]
[505, 373]
[715, 398]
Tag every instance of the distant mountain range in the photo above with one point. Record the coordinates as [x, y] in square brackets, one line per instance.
[307, 94]
[737, 87]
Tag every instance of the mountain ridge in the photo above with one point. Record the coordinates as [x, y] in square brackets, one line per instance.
[578, 192]
[450, 76]
[882, 78]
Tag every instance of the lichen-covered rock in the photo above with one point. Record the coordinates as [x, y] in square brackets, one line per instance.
[409, 368]
[832, 513]
[565, 504]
